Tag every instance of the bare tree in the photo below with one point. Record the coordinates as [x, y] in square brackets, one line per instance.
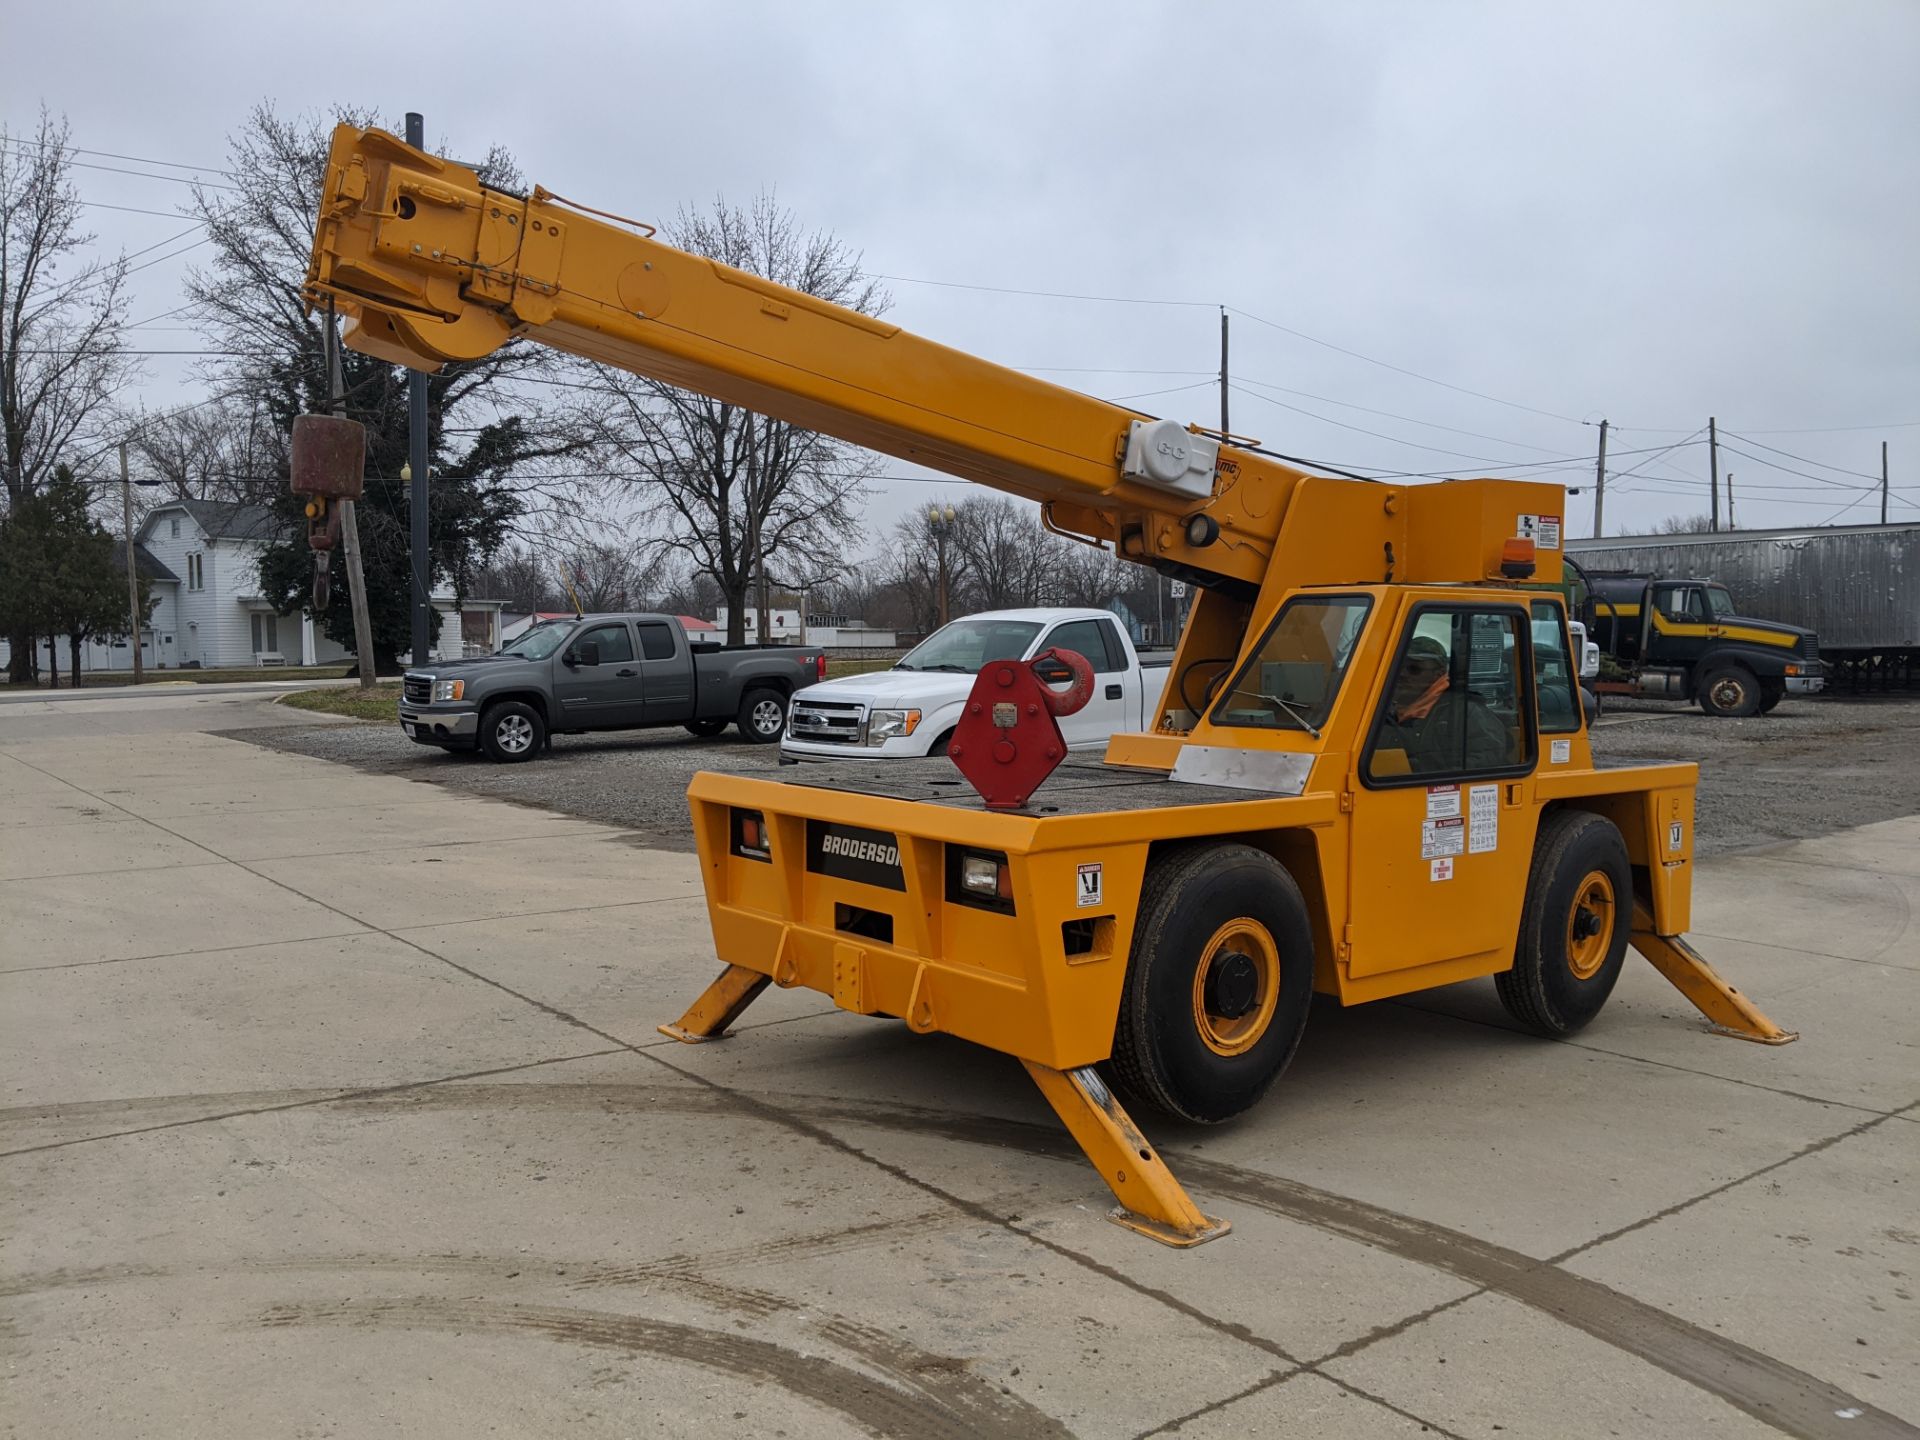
[740, 490]
[62, 356]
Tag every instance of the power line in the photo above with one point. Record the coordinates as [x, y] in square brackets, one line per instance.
[1397, 369]
[1387, 414]
[1049, 294]
[1788, 469]
[1804, 459]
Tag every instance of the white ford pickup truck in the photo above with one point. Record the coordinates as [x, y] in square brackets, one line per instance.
[911, 709]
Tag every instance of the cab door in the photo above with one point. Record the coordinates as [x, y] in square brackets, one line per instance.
[1678, 618]
[1443, 821]
[606, 694]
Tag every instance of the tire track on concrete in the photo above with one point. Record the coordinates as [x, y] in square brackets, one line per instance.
[922, 1394]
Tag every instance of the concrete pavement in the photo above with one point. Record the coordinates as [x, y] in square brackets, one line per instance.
[334, 1105]
[164, 707]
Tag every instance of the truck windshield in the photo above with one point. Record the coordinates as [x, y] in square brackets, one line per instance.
[966, 645]
[1292, 680]
[1720, 601]
[538, 643]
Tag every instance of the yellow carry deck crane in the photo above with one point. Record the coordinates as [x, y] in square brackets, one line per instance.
[1368, 775]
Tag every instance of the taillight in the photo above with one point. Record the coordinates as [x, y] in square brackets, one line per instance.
[820, 666]
[750, 837]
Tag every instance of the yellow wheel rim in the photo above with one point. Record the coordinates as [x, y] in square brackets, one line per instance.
[1228, 1020]
[1590, 925]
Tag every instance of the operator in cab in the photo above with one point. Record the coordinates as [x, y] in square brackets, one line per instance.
[1441, 727]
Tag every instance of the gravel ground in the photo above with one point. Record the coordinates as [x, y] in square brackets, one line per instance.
[1809, 768]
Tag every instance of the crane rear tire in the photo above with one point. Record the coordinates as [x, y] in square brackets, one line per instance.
[1219, 983]
[1574, 925]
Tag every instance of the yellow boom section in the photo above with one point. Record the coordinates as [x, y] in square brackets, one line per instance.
[429, 265]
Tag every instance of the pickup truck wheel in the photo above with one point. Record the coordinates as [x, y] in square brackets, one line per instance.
[706, 729]
[1730, 690]
[1218, 985]
[763, 715]
[1573, 926]
[512, 731]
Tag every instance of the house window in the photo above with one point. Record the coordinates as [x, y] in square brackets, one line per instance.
[193, 572]
[173, 529]
[265, 640]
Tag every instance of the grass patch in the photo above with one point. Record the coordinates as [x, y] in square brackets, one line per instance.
[836, 667]
[378, 703]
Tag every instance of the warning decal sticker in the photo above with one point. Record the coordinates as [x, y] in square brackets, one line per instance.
[1090, 887]
[1442, 801]
[1440, 838]
[1562, 751]
[1484, 806]
[1440, 870]
[1542, 530]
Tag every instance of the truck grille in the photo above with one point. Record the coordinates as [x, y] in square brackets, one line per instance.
[1808, 648]
[830, 722]
[417, 689]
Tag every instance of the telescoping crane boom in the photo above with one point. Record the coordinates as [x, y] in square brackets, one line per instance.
[1368, 774]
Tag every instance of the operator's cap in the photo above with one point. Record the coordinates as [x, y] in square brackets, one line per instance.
[1426, 648]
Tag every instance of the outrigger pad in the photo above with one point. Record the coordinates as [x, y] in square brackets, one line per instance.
[329, 457]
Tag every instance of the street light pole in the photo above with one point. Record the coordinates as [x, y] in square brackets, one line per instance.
[940, 521]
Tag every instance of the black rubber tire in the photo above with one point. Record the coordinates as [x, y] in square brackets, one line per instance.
[753, 719]
[940, 745]
[1729, 691]
[511, 732]
[1772, 692]
[705, 729]
[1542, 991]
[1159, 1057]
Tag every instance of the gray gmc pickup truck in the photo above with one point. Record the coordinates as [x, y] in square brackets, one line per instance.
[602, 672]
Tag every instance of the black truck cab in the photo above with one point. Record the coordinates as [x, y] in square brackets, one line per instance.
[1686, 640]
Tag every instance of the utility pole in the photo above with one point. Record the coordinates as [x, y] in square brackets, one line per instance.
[1883, 482]
[1713, 463]
[1223, 373]
[349, 521]
[1732, 524]
[1600, 485]
[133, 583]
[422, 566]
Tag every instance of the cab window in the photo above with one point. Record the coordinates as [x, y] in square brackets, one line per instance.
[1293, 679]
[1459, 702]
[1556, 684]
[614, 642]
[1680, 602]
[1719, 601]
[1088, 639]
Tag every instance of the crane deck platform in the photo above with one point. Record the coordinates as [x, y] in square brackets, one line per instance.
[1083, 785]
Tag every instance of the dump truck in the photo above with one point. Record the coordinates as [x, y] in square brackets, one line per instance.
[1368, 773]
[1855, 587]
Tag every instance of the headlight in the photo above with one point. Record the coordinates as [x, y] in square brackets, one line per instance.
[884, 725]
[448, 690]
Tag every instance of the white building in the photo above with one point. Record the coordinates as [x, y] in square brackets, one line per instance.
[201, 559]
[783, 626]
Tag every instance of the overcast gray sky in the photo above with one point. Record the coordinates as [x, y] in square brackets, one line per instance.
[1648, 212]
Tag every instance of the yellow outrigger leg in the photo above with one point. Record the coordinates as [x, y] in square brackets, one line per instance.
[1730, 1012]
[1151, 1200]
[719, 1005]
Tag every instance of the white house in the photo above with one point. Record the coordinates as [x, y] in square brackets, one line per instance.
[202, 560]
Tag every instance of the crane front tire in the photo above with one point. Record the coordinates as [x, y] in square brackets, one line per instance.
[1218, 985]
[1574, 926]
